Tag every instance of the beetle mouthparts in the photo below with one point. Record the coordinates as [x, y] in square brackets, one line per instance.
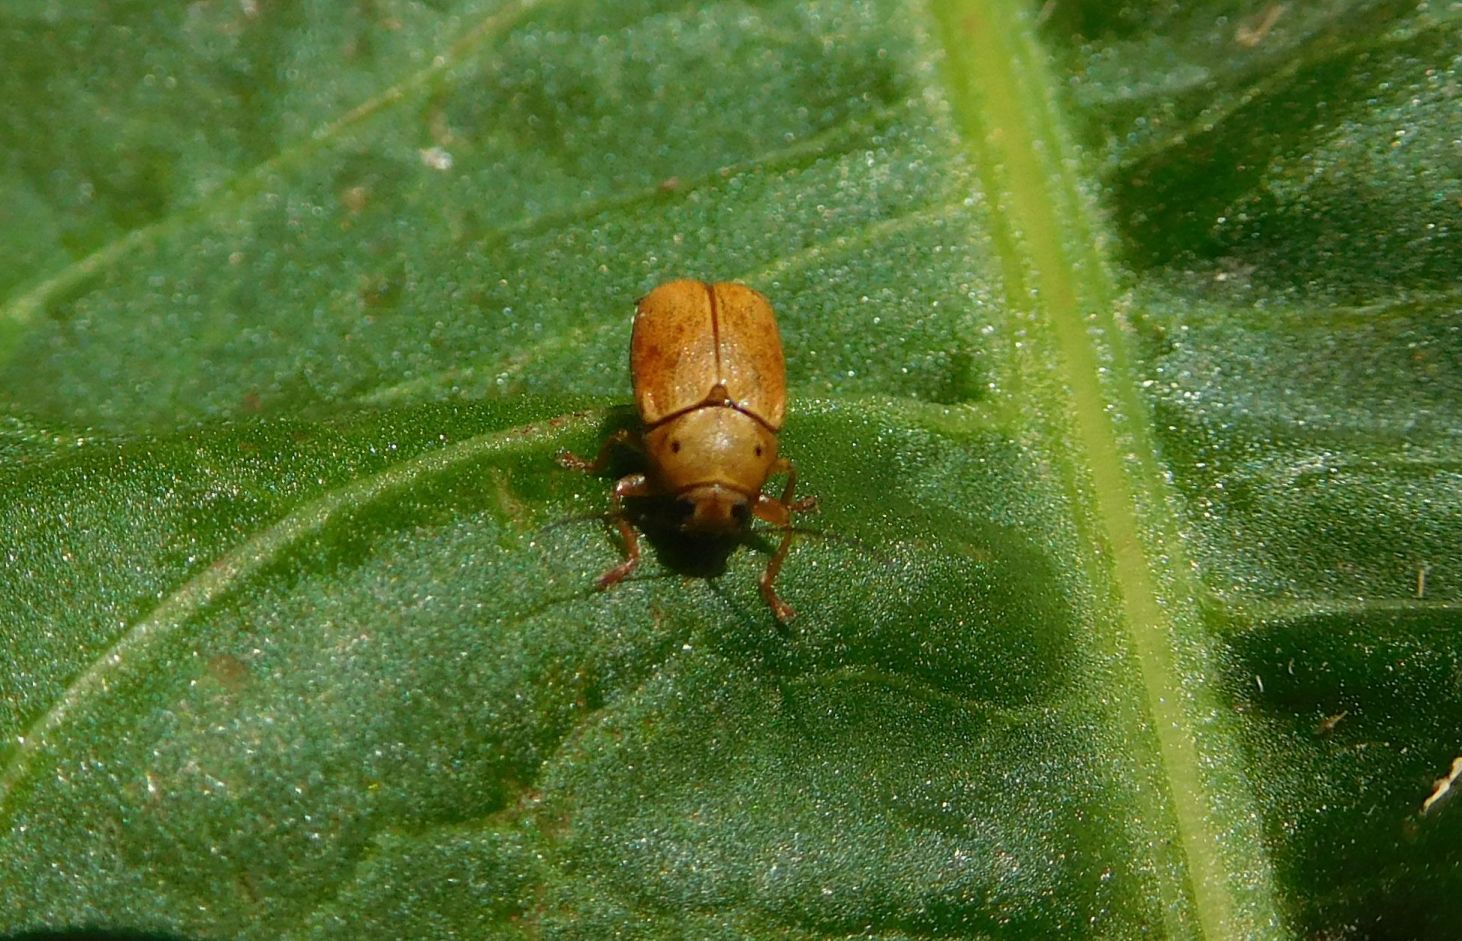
[714, 508]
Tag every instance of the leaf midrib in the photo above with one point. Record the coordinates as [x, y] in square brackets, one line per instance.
[1004, 109]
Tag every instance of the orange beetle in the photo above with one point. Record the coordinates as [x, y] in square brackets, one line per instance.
[706, 363]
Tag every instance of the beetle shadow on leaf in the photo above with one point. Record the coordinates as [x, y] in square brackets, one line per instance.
[656, 519]
[694, 554]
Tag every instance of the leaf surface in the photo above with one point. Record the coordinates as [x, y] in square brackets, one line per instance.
[1125, 359]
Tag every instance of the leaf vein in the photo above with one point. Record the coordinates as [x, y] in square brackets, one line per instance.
[26, 306]
[244, 560]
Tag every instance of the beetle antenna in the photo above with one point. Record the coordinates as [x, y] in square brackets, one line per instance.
[851, 541]
[603, 516]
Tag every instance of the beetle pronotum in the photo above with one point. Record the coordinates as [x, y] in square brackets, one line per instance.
[711, 388]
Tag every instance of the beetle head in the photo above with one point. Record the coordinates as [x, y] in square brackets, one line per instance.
[715, 509]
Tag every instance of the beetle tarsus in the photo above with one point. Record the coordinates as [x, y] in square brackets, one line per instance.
[631, 553]
[617, 574]
[780, 609]
[779, 514]
[631, 485]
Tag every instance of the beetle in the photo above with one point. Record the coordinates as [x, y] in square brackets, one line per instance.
[710, 385]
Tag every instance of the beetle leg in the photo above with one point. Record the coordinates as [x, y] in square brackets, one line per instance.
[772, 511]
[632, 485]
[779, 513]
[780, 609]
[783, 465]
[623, 437]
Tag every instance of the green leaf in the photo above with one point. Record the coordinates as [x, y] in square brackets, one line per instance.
[1125, 358]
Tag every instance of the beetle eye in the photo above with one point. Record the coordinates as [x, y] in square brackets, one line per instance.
[742, 512]
[684, 506]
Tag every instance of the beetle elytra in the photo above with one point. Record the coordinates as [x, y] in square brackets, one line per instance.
[711, 389]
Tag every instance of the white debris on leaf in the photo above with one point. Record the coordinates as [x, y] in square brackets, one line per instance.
[436, 157]
[1443, 786]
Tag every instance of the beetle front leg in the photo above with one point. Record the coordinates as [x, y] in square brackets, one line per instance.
[780, 609]
[783, 465]
[779, 513]
[623, 437]
[631, 485]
